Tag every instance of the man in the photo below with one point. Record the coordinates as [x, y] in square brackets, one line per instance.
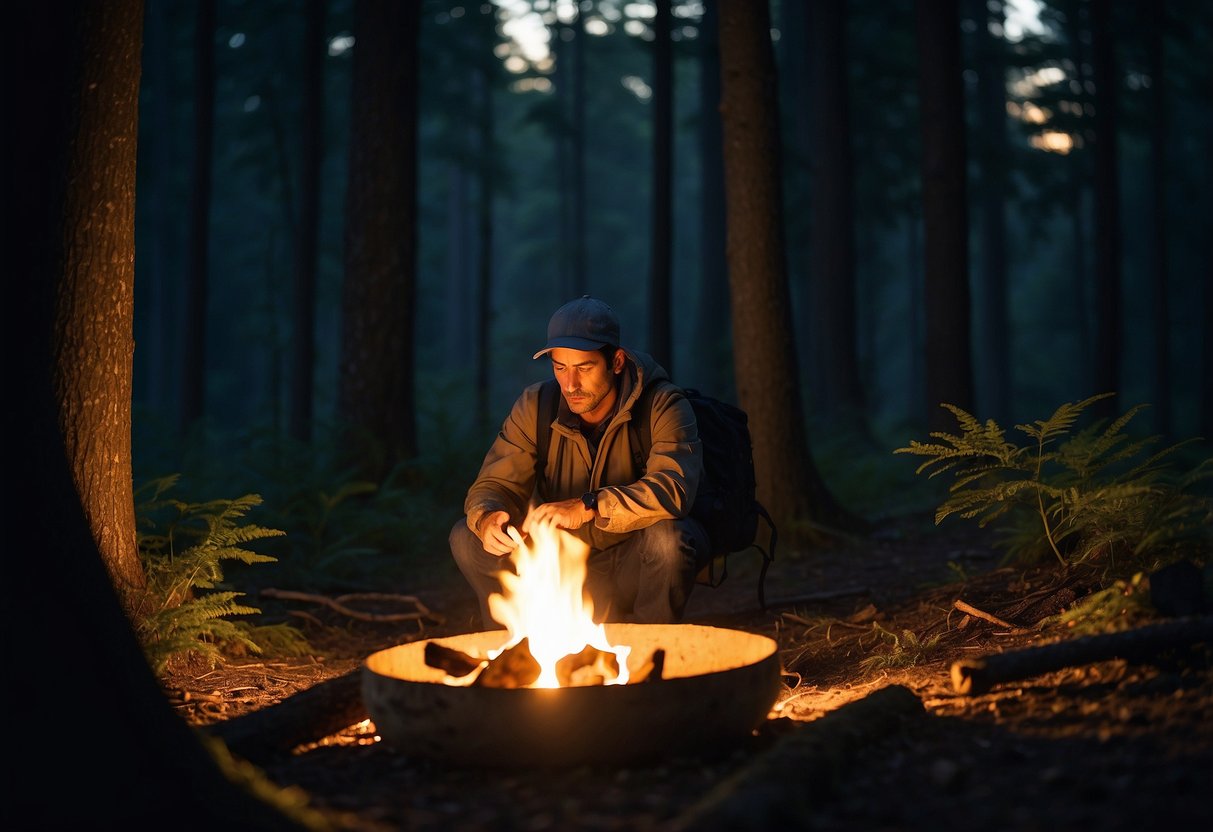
[644, 550]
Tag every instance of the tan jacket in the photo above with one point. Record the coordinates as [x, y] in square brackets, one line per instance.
[625, 504]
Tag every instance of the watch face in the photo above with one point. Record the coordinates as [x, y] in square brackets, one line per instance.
[589, 500]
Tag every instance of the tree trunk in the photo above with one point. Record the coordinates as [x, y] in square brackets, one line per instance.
[831, 279]
[1079, 179]
[303, 370]
[193, 374]
[375, 395]
[765, 355]
[992, 126]
[662, 219]
[579, 44]
[713, 334]
[1159, 285]
[73, 165]
[94, 288]
[1108, 331]
[483, 324]
[945, 211]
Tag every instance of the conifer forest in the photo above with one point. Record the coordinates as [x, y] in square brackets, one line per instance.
[280, 268]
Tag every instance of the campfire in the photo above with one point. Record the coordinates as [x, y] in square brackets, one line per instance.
[555, 687]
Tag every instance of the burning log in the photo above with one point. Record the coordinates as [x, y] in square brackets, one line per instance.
[589, 667]
[977, 676]
[514, 668]
[453, 662]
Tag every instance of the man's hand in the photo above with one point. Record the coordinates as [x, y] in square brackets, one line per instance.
[494, 534]
[564, 514]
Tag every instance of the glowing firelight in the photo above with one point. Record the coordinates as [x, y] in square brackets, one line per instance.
[546, 603]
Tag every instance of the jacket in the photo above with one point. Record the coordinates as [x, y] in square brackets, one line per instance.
[625, 504]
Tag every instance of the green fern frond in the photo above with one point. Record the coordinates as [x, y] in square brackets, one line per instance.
[1061, 421]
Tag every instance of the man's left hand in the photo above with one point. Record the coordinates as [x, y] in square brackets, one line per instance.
[563, 514]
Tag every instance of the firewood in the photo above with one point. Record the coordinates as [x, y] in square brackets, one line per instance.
[308, 716]
[455, 662]
[513, 668]
[781, 787]
[976, 676]
[591, 666]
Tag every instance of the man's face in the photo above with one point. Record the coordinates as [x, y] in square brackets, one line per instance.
[586, 380]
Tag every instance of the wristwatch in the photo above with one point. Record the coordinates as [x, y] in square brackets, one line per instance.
[590, 500]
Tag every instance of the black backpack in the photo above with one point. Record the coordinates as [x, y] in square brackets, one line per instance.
[725, 503]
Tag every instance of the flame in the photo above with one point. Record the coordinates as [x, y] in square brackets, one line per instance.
[546, 603]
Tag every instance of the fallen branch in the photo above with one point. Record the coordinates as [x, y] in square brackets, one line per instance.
[985, 616]
[308, 716]
[780, 788]
[340, 604]
[1143, 644]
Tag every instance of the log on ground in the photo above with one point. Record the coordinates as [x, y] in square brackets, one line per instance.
[976, 676]
[308, 716]
[780, 787]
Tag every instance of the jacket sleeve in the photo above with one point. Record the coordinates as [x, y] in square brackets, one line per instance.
[507, 475]
[672, 472]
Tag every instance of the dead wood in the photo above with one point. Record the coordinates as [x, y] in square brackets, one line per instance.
[515, 667]
[454, 662]
[341, 605]
[780, 787]
[985, 616]
[309, 716]
[1140, 645]
[590, 666]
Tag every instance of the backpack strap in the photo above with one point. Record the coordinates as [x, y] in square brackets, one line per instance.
[549, 403]
[640, 426]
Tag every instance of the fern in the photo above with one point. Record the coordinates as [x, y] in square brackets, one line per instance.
[183, 547]
[1075, 493]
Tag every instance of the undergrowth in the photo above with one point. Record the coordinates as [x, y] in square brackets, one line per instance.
[1078, 495]
[188, 611]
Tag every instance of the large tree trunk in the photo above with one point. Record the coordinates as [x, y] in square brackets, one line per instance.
[662, 223]
[713, 333]
[193, 374]
[303, 339]
[992, 152]
[768, 379]
[94, 288]
[483, 323]
[1159, 285]
[375, 394]
[945, 211]
[1108, 330]
[831, 279]
[129, 762]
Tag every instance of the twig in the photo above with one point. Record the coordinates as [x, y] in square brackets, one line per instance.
[339, 604]
[972, 610]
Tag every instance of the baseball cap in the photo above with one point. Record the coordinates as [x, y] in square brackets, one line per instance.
[582, 324]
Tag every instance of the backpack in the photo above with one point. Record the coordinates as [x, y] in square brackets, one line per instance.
[725, 503]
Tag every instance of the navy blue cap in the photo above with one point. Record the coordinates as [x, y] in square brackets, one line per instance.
[583, 324]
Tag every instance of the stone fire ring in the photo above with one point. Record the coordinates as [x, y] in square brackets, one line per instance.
[717, 687]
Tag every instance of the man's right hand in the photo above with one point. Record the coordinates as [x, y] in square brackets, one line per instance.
[493, 534]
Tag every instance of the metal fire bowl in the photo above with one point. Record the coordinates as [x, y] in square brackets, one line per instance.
[717, 686]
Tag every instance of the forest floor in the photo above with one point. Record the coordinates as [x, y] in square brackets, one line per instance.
[1103, 745]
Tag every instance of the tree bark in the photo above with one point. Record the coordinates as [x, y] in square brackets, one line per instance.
[1108, 328]
[376, 403]
[129, 763]
[94, 289]
[193, 373]
[662, 225]
[831, 279]
[766, 370]
[945, 211]
[713, 329]
[303, 338]
[1160, 264]
[483, 323]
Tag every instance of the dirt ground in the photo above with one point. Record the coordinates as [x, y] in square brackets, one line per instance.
[1107, 745]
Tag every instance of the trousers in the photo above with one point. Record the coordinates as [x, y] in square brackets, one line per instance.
[645, 579]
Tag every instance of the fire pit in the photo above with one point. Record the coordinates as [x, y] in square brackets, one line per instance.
[716, 686]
